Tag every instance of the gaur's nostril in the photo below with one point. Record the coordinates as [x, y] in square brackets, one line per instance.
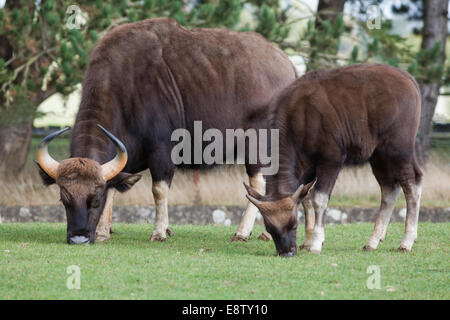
[287, 254]
[79, 240]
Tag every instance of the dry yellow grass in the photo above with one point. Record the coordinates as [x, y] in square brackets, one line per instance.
[223, 185]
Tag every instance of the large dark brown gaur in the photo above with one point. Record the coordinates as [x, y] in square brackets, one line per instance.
[328, 119]
[144, 80]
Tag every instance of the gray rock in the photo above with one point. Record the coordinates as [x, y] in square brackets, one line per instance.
[219, 216]
[402, 213]
[334, 214]
[24, 212]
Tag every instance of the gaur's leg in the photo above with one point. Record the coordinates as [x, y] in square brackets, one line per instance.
[407, 174]
[411, 182]
[162, 170]
[320, 202]
[245, 228]
[103, 230]
[383, 171]
[308, 209]
[389, 196]
[160, 190]
[306, 176]
[327, 174]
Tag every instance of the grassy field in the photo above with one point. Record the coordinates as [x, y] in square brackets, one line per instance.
[201, 263]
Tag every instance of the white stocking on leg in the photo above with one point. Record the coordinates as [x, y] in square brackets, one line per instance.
[389, 196]
[248, 219]
[160, 192]
[102, 232]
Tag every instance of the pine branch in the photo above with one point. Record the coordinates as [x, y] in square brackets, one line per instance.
[25, 66]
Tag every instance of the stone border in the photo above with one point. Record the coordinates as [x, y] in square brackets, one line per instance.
[201, 215]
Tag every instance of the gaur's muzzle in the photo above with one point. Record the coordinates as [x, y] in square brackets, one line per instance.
[79, 240]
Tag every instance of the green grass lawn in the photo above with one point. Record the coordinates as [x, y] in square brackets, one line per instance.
[200, 262]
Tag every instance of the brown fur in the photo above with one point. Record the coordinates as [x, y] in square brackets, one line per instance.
[76, 169]
[279, 213]
[346, 116]
[151, 77]
[80, 177]
[280, 216]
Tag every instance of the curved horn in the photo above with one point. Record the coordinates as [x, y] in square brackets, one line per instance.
[47, 163]
[113, 167]
[253, 200]
[252, 192]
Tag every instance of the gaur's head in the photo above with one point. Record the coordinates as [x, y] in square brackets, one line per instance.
[280, 217]
[83, 185]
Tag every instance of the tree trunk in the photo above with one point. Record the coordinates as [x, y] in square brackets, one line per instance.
[328, 10]
[14, 138]
[434, 30]
[14, 144]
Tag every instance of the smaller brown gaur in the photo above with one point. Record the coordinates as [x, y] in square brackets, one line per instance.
[346, 116]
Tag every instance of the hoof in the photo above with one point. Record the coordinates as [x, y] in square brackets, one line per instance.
[170, 233]
[403, 249]
[368, 248]
[304, 247]
[157, 237]
[314, 251]
[265, 236]
[101, 238]
[238, 237]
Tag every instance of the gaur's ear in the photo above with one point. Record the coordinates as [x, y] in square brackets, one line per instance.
[252, 192]
[124, 181]
[46, 179]
[302, 191]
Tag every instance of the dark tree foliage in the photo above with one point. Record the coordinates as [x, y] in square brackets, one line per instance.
[41, 53]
